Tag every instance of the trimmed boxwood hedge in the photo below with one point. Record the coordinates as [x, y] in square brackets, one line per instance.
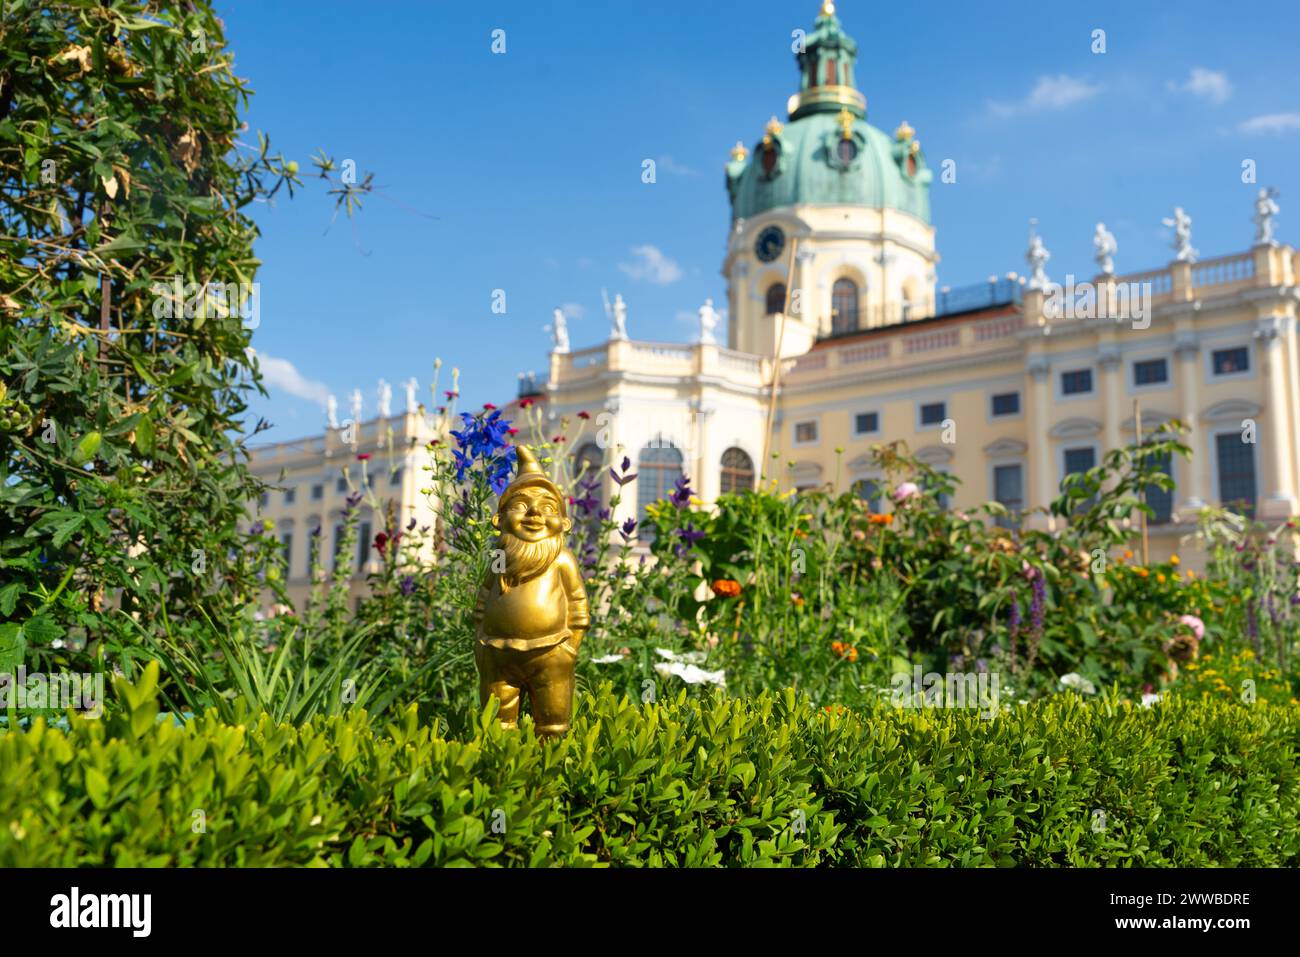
[720, 781]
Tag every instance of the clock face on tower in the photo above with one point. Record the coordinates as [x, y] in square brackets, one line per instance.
[769, 244]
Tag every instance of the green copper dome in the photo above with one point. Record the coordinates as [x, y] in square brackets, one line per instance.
[828, 153]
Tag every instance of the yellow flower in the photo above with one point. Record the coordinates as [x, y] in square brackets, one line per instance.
[1173, 559]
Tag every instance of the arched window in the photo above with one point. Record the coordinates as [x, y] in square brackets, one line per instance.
[775, 301]
[830, 73]
[588, 477]
[588, 462]
[844, 306]
[658, 469]
[737, 471]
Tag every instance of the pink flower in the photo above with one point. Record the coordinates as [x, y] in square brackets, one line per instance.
[905, 491]
[1194, 623]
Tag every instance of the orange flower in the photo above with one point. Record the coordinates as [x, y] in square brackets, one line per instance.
[1128, 554]
[880, 518]
[798, 600]
[726, 588]
[844, 651]
[1142, 571]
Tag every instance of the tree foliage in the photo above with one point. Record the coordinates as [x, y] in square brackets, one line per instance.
[127, 305]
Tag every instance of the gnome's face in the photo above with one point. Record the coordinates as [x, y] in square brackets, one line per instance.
[532, 515]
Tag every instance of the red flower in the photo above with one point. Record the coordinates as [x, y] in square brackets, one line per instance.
[451, 395]
[557, 439]
[363, 457]
[512, 431]
[584, 415]
[525, 403]
[489, 406]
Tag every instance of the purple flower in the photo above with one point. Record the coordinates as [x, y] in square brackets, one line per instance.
[353, 501]
[690, 534]
[628, 528]
[407, 584]
[682, 492]
[623, 478]
[1013, 622]
[411, 524]
[1252, 626]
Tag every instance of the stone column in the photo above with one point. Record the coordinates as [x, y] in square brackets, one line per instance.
[1111, 367]
[1273, 333]
[1187, 357]
[1039, 490]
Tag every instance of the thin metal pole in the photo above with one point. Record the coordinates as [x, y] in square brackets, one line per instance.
[776, 357]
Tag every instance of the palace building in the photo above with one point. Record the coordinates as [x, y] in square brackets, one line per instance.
[837, 338]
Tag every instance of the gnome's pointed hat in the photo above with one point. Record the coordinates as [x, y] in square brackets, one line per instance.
[529, 472]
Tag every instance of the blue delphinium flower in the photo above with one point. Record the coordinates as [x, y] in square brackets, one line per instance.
[484, 441]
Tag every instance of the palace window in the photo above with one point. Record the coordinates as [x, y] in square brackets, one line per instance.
[363, 546]
[866, 423]
[289, 495]
[1009, 490]
[1236, 461]
[1231, 361]
[1078, 461]
[1160, 501]
[869, 491]
[775, 299]
[737, 471]
[933, 413]
[658, 468]
[1150, 372]
[317, 492]
[1006, 403]
[805, 433]
[1076, 382]
[341, 484]
[844, 306]
[395, 479]
[286, 544]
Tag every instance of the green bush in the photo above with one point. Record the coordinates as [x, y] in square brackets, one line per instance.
[701, 782]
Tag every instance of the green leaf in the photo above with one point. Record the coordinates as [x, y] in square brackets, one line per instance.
[87, 447]
[96, 786]
[144, 434]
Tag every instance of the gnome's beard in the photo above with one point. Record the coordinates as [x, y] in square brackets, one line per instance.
[527, 560]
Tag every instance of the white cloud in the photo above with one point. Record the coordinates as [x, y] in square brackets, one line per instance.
[671, 166]
[652, 266]
[1209, 85]
[573, 310]
[281, 374]
[1271, 123]
[1049, 93]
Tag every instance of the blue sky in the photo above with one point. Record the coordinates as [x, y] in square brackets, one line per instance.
[521, 171]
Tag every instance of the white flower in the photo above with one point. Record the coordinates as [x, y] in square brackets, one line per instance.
[1149, 699]
[693, 675]
[1078, 683]
[607, 659]
[690, 657]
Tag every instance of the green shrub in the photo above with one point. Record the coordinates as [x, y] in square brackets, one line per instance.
[701, 782]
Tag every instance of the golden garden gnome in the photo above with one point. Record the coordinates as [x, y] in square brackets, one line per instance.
[531, 613]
